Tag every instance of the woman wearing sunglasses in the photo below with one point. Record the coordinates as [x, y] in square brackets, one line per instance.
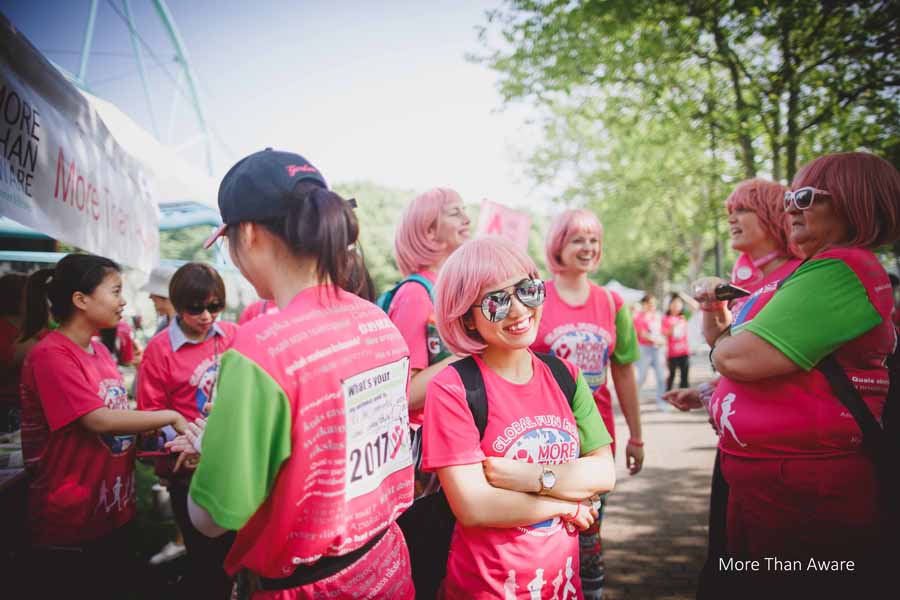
[522, 490]
[589, 326]
[759, 232]
[306, 454]
[179, 372]
[801, 485]
[78, 434]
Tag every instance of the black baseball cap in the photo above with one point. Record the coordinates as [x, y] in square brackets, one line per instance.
[259, 187]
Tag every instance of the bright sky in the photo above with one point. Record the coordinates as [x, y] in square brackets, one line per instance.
[367, 90]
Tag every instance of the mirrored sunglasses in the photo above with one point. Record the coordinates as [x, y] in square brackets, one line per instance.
[802, 198]
[212, 307]
[495, 305]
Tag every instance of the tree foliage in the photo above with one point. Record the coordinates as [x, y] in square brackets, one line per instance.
[651, 111]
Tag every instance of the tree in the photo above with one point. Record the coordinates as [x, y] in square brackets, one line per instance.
[730, 87]
[378, 210]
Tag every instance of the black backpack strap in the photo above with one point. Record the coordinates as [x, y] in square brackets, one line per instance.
[850, 397]
[561, 374]
[472, 380]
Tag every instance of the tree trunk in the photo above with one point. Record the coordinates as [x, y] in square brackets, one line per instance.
[748, 155]
[790, 79]
[774, 138]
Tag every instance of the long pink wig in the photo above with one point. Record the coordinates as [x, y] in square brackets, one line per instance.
[413, 249]
[473, 266]
[566, 226]
[865, 190]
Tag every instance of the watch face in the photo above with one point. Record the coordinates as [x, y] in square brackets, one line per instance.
[548, 478]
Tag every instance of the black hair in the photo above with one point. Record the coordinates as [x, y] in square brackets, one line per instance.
[74, 273]
[320, 225]
[647, 298]
[12, 292]
[672, 299]
[108, 337]
[359, 281]
[193, 283]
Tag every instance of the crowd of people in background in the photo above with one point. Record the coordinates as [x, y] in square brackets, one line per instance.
[454, 437]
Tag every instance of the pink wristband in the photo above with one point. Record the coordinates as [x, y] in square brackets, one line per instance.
[635, 443]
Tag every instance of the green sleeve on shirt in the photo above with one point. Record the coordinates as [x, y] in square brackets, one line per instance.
[592, 433]
[627, 349]
[817, 310]
[247, 438]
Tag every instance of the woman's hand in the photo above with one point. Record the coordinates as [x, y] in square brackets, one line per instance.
[581, 517]
[515, 475]
[187, 445]
[634, 458]
[704, 292]
[179, 423]
[684, 399]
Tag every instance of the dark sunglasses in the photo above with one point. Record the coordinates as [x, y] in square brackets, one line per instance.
[212, 307]
[802, 198]
[495, 305]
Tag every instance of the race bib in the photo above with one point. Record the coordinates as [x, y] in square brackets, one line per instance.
[377, 421]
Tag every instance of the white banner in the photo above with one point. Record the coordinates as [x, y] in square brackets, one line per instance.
[61, 171]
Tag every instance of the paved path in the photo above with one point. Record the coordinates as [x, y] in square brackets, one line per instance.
[654, 528]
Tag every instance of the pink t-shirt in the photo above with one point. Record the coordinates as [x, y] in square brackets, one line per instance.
[258, 308]
[411, 310]
[82, 483]
[125, 337]
[797, 414]
[182, 379]
[675, 328]
[531, 422]
[306, 453]
[648, 326]
[584, 335]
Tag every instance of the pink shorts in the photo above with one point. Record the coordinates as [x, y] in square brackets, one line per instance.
[801, 507]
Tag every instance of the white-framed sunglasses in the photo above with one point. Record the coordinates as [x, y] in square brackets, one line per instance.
[802, 198]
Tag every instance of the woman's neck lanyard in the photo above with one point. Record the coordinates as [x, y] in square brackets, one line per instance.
[761, 262]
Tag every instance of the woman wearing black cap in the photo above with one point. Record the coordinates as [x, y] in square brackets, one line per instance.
[306, 453]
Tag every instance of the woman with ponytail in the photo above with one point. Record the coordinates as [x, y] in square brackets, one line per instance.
[78, 432]
[306, 451]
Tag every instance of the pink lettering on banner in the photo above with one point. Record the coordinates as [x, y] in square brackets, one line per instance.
[77, 192]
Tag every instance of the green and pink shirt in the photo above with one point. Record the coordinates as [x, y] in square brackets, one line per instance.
[306, 453]
[840, 302]
[589, 336]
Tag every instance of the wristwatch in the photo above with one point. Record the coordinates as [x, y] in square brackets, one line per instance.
[547, 480]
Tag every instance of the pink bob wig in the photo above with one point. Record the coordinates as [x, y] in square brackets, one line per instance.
[413, 249]
[865, 190]
[566, 226]
[765, 199]
[473, 266]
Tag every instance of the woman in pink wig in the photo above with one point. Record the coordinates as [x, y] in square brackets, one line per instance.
[523, 485]
[590, 326]
[802, 480]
